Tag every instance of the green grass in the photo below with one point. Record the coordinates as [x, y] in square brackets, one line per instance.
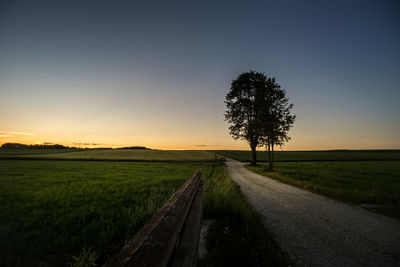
[238, 237]
[138, 155]
[58, 212]
[372, 182]
[329, 155]
[52, 210]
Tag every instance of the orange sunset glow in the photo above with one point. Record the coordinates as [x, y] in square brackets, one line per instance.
[78, 87]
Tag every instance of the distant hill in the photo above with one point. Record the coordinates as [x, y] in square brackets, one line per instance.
[44, 146]
[135, 148]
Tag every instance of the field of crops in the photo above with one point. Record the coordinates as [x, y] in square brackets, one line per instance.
[134, 155]
[51, 210]
[24, 152]
[328, 155]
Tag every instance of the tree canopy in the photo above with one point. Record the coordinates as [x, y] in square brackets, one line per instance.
[259, 112]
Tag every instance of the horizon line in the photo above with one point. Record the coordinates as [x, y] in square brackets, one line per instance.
[204, 148]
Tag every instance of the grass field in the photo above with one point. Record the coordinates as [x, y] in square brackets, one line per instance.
[362, 182]
[329, 155]
[51, 210]
[54, 210]
[24, 152]
[134, 155]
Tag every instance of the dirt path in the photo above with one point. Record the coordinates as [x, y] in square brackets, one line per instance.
[317, 231]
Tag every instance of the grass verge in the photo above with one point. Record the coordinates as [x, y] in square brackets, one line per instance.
[238, 237]
[363, 182]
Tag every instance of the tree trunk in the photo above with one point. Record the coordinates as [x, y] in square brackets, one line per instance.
[271, 166]
[254, 155]
[269, 154]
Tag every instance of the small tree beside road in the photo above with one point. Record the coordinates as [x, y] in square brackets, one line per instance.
[277, 119]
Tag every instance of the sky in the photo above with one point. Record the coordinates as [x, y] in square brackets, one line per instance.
[155, 73]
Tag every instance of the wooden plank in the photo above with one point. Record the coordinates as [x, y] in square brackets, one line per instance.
[186, 253]
[155, 242]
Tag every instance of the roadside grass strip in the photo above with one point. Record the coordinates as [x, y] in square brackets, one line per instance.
[238, 237]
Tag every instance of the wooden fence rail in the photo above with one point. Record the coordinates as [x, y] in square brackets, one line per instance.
[171, 237]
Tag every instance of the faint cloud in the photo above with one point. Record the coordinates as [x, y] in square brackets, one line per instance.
[90, 144]
[20, 133]
[201, 145]
[10, 134]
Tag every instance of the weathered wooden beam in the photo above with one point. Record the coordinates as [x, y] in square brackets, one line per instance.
[154, 244]
[187, 251]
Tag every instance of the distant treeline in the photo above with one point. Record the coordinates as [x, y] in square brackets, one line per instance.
[135, 147]
[57, 146]
[44, 146]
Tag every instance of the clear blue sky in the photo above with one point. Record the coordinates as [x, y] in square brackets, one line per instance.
[156, 73]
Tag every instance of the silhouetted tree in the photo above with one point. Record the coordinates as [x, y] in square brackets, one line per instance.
[244, 106]
[259, 112]
[278, 118]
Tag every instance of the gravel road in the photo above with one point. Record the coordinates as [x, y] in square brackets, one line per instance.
[317, 231]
